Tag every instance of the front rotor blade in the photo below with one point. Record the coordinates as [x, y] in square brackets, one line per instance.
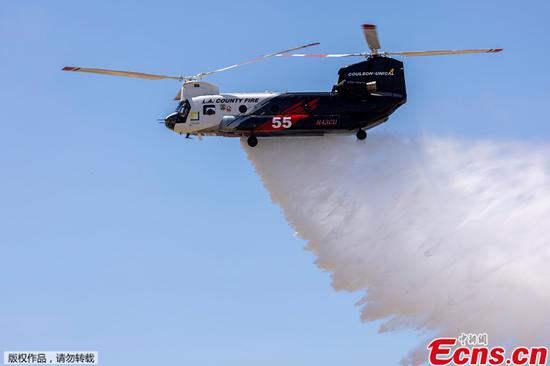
[443, 52]
[259, 58]
[130, 74]
[369, 30]
[179, 96]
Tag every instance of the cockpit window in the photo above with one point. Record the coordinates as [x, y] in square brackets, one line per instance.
[183, 106]
[183, 109]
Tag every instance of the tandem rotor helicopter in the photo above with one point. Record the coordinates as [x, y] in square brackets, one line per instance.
[366, 94]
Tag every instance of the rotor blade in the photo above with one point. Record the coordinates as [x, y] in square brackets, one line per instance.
[408, 53]
[443, 52]
[130, 74]
[369, 30]
[326, 55]
[179, 96]
[259, 58]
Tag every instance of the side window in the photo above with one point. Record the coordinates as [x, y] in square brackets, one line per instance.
[208, 109]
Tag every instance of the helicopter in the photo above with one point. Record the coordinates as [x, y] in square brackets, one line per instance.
[365, 96]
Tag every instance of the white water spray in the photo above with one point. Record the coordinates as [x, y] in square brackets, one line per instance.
[441, 235]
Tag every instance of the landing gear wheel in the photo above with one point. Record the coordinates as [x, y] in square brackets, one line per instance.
[361, 134]
[252, 141]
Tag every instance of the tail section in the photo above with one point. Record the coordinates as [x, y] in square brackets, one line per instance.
[382, 75]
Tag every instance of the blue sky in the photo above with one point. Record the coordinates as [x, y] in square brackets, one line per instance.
[119, 236]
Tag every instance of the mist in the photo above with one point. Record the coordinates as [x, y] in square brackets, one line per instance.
[439, 235]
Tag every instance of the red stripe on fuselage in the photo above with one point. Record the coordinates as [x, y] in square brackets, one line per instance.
[297, 112]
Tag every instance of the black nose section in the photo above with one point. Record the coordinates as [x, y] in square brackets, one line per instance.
[171, 120]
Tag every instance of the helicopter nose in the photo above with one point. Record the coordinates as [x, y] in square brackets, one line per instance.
[170, 121]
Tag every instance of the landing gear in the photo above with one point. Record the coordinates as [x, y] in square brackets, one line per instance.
[252, 141]
[361, 135]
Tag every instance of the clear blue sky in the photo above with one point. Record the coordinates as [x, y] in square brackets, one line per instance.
[119, 236]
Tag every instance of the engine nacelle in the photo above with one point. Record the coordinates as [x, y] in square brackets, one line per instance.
[355, 88]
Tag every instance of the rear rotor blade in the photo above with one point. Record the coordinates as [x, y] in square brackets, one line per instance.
[443, 52]
[259, 58]
[406, 53]
[369, 30]
[130, 74]
[325, 55]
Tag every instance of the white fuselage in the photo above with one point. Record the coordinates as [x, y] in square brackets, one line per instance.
[207, 111]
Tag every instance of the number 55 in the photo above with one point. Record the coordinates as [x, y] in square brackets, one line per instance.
[279, 122]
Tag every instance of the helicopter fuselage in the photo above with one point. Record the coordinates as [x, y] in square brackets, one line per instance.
[274, 114]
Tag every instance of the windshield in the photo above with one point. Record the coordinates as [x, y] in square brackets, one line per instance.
[183, 109]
